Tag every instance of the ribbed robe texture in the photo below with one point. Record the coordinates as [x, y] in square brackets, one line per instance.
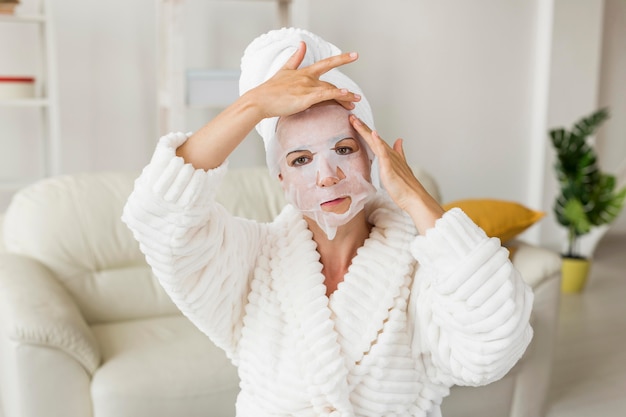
[414, 315]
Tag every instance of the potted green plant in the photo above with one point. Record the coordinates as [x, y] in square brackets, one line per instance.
[587, 197]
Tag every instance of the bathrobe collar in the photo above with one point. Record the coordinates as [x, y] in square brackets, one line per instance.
[337, 333]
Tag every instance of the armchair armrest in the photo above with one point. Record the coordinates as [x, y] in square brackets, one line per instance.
[35, 309]
[535, 264]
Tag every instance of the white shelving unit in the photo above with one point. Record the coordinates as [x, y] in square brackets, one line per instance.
[177, 86]
[45, 99]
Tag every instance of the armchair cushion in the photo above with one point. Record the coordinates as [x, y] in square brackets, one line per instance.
[159, 367]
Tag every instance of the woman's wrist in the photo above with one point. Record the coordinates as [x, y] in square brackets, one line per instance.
[250, 105]
[423, 209]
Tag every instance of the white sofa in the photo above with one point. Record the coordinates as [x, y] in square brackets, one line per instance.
[85, 330]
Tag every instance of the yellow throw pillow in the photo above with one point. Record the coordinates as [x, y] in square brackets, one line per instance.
[498, 218]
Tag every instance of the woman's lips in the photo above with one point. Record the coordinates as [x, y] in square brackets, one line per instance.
[335, 202]
[338, 205]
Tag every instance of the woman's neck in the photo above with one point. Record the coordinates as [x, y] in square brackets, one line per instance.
[336, 255]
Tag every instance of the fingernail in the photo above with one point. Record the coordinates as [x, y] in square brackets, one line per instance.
[353, 55]
[357, 96]
[344, 91]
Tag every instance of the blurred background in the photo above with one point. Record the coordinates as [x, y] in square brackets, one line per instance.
[472, 86]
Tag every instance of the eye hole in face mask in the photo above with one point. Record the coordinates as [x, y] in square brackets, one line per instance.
[299, 158]
[344, 147]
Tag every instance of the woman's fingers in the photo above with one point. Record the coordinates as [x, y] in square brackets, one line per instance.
[346, 98]
[293, 89]
[375, 142]
[296, 59]
[398, 147]
[325, 65]
[342, 96]
[322, 66]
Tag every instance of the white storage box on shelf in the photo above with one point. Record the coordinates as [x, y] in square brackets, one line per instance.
[212, 88]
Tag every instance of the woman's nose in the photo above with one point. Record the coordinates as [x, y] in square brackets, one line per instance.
[327, 176]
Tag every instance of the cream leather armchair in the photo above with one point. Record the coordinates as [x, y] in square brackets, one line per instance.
[85, 329]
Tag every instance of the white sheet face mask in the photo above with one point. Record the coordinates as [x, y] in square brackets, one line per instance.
[324, 166]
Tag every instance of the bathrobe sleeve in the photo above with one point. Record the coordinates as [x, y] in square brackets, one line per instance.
[472, 307]
[202, 256]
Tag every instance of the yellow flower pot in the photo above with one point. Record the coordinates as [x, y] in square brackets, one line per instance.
[574, 273]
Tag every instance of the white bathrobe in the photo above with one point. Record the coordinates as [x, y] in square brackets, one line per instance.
[413, 316]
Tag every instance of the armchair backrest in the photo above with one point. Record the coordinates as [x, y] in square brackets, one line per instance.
[251, 193]
[71, 224]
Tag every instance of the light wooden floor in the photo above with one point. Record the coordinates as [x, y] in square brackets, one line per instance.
[589, 377]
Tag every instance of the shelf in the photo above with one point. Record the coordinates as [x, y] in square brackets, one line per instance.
[43, 100]
[25, 102]
[25, 18]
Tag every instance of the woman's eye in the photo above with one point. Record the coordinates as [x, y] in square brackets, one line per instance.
[301, 160]
[343, 150]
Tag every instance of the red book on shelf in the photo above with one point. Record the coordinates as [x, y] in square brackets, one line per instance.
[17, 79]
[17, 87]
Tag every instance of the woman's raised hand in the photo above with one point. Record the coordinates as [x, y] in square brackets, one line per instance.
[398, 178]
[292, 89]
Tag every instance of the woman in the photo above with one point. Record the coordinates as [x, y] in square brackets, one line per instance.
[354, 301]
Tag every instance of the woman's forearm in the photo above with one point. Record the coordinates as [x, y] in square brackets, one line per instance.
[209, 147]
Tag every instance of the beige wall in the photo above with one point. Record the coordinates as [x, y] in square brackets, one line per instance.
[451, 78]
